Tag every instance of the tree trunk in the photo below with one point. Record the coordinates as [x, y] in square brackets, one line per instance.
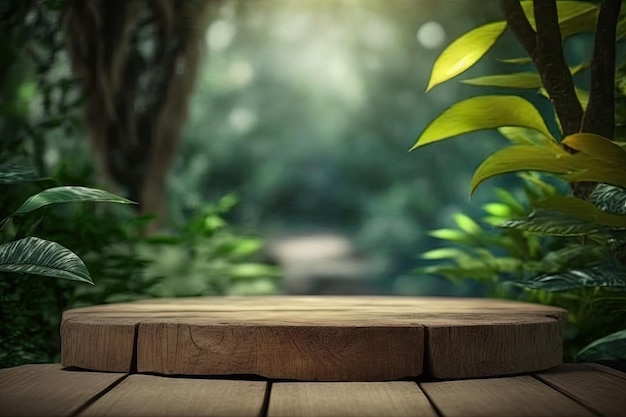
[138, 61]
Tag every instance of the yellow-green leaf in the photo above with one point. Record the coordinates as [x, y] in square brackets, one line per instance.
[464, 52]
[574, 16]
[596, 170]
[517, 80]
[523, 158]
[525, 136]
[621, 28]
[480, 113]
[524, 80]
[583, 210]
[466, 223]
[597, 147]
[583, 97]
[517, 61]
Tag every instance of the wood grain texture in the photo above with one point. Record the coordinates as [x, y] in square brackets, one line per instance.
[92, 342]
[606, 369]
[349, 399]
[314, 353]
[497, 397]
[318, 338]
[599, 390]
[522, 346]
[151, 396]
[49, 390]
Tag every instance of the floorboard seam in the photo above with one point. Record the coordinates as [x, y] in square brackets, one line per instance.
[565, 393]
[96, 397]
[133, 358]
[431, 401]
[266, 400]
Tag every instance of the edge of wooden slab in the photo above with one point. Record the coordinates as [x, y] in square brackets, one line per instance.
[329, 339]
[360, 353]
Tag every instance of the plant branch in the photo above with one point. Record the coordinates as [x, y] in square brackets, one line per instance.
[553, 69]
[518, 23]
[544, 47]
[600, 113]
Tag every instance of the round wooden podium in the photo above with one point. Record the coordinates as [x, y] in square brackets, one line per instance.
[323, 338]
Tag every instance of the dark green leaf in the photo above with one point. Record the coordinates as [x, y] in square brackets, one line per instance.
[552, 223]
[612, 346]
[597, 276]
[582, 210]
[68, 194]
[36, 256]
[609, 198]
[17, 173]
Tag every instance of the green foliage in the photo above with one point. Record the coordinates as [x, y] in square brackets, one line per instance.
[43, 161]
[574, 17]
[455, 59]
[215, 258]
[596, 276]
[483, 252]
[68, 194]
[577, 258]
[480, 113]
[36, 256]
[579, 157]
[607, 347]
[205, 256]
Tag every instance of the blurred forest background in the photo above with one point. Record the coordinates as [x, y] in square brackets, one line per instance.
[292, 172]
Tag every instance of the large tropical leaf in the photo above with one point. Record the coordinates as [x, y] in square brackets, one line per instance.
[597, 276]
[36, 256]
[480, 113]
[68, 194]
[553, 159]
[553, 223]
[612, 346]
[609, 198]
[572, 255]
[464, 52]
[582, 210]
[17, 173]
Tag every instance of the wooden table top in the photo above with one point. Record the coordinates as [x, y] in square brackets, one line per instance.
[568, 390]
[368, 339]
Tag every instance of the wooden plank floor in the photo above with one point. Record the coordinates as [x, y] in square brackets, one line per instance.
[50, 390]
